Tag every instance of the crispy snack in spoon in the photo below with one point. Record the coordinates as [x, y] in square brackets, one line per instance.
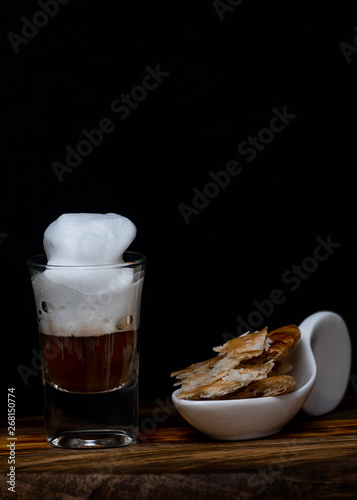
[270, 386]
[251, 365]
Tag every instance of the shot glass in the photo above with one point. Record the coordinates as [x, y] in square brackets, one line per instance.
[88, 322]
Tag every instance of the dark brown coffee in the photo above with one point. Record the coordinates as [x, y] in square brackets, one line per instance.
[91, 363]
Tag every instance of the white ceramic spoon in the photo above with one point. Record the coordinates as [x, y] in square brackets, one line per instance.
[321, 366]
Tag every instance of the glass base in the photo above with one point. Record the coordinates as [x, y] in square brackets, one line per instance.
[92, 440]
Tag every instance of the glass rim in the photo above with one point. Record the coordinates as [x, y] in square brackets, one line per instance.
[35, 262]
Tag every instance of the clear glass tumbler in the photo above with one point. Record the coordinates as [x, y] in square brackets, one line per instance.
[88, 321]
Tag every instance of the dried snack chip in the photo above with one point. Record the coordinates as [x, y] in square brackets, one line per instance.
[245, 346]
[204, 375]
[270, 386]
[241, 362]
[283, 341]
[230, 382]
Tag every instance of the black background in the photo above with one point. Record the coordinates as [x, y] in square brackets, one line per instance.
[226, 75]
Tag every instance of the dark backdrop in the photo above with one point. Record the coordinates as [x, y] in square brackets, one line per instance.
[220, 246]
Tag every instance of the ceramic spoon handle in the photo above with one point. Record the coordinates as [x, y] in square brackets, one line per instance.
[327, 334]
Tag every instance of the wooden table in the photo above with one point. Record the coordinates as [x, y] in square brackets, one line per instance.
[311, 458]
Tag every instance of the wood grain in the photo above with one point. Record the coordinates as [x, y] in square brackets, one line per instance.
[310, 458]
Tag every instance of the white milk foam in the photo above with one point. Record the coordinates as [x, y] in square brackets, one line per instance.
[88, 239]
[86, 301]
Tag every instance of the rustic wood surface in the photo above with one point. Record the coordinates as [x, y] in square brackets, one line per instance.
[311, 458]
